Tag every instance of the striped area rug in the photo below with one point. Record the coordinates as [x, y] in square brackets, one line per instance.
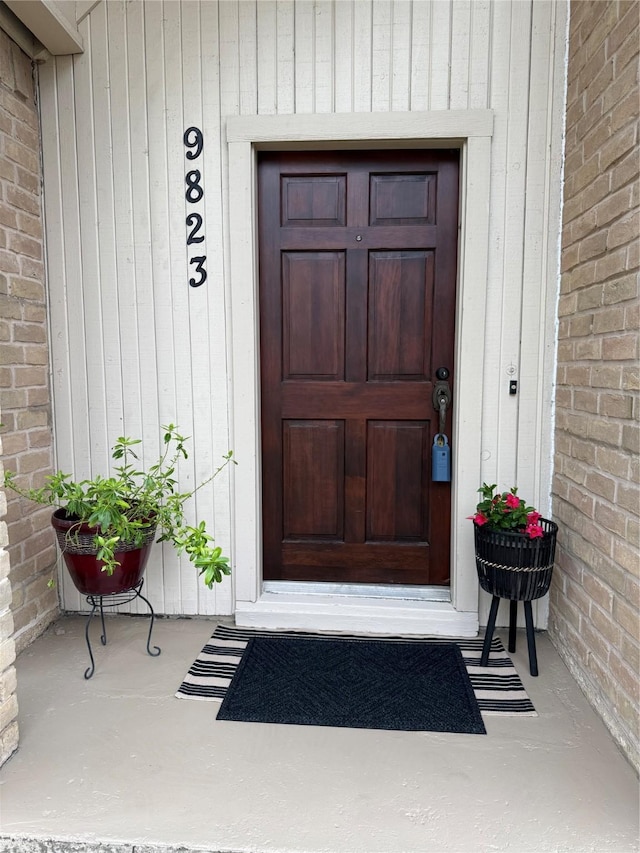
[497, 687]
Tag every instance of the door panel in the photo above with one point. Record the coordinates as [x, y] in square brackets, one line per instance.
[400, 294]
[314, 200]
[397, 481]
[357, 300]
[313, 502]
[313, 292]
[403, 199]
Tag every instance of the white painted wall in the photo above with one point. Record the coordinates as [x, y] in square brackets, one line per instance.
[134, 347]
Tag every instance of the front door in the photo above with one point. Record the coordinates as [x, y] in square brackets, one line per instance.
[357, 256]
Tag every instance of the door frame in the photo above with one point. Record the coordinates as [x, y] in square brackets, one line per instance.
[470, 131]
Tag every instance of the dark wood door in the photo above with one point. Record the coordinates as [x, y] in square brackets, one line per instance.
[357, 263]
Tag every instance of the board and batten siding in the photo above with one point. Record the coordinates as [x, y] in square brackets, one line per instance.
[134, 347]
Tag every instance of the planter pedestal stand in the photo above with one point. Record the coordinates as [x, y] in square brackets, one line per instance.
[114, 600]
[513, 613]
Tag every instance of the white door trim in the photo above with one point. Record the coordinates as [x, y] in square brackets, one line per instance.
[469, 130]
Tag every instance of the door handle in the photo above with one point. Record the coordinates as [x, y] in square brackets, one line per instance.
[441, 396]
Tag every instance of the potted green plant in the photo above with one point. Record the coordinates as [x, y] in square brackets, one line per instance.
[105, 525]
[514, 551]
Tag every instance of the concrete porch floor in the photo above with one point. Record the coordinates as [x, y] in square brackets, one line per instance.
[118, 765]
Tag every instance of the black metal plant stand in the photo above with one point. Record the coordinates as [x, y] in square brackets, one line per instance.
[513, 614]
[114, 600]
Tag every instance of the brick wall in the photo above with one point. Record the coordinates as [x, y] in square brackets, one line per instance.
[8, 700]
[24, 355]
[595, 597]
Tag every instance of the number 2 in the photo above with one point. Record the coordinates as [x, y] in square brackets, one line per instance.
[195, 221]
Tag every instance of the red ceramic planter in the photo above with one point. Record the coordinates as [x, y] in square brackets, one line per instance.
[76, 544]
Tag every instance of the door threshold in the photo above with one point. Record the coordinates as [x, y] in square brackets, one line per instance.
[303, 611]
[360, 590]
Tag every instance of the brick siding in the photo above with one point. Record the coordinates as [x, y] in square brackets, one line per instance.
[27, 604]
[595, 596]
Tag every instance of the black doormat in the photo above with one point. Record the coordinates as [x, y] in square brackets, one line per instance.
[370, 684]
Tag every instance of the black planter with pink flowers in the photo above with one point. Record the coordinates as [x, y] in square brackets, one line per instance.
[512, 565]
[518, 567]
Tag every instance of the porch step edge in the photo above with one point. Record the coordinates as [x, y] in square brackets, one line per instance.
[32, 844]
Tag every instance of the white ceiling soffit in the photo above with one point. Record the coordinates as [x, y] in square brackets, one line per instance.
[48, 24]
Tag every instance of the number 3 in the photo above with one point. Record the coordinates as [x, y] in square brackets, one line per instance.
[199, 261]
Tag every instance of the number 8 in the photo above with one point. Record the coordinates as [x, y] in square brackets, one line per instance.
[194, 190]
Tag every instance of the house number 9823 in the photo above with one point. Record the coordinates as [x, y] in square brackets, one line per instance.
[194, 194]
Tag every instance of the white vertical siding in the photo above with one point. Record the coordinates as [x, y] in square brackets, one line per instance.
[303, 28]
[343, 57]
[267, 56]
[133, 347]
[362, 58]
[420, 53]
[460, 54]
[324, 29]
[479, 54]
[160, 358]
[285, 48]
[439, 56]
[509, 224]
[216, 437]
[401, 56]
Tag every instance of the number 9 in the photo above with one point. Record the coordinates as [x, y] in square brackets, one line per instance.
[197, 142]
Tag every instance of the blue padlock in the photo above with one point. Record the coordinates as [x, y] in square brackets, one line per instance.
[441, 459]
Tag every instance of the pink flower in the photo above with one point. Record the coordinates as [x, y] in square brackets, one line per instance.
[512, 501]
[534, 531]
[533, 517]
[479, 519]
